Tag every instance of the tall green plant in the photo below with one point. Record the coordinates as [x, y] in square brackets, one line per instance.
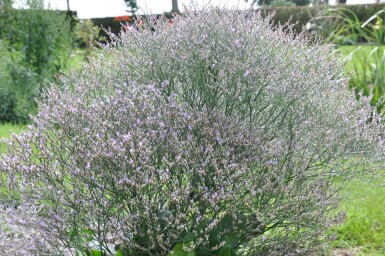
[6, 94]
[39, 44]
[348, 28]
[368, 77]
[43, 36]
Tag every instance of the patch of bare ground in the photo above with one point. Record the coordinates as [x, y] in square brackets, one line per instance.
[346, 252]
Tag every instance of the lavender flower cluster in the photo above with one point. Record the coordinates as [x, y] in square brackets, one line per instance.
[218, 131]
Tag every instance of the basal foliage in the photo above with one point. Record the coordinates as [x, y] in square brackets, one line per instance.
[217, 134]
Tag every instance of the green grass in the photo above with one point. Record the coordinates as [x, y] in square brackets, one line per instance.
[359, 50]
[6, 129]
[363, 229]
[75, 61]
[5, 132]
[364, 225]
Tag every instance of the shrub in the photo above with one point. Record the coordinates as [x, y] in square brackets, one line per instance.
[282, 3]
[217, 134]
[38, 45]
[6, 97]
[112, 24]
[15, 87]
[86, 33]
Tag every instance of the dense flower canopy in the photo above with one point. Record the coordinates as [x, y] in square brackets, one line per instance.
[219, 133]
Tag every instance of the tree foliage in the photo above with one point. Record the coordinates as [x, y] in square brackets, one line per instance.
[132, 6]
[279, 3]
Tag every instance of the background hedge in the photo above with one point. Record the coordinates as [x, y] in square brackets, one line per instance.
[298, 15]
[114, 24]
[109, 23]
[35, 44]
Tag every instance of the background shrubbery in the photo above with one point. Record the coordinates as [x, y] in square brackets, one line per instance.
[300, 16]
[35, 45]
[86, 33]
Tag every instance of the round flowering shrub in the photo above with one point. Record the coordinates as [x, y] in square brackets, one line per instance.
[217, 134]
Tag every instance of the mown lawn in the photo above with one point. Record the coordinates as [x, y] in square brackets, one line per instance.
[353, 53]
[75, 61]
[363, 228]
[5, 132]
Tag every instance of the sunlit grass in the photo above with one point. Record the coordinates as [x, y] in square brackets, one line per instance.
[353, 53]
[363, 230]
[364, 225]
[6, 130]
[75, 61]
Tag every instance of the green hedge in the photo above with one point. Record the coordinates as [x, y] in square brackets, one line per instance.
[114, 24]
[8, 15]
[300, 15]
[34, 45]
[107, 23]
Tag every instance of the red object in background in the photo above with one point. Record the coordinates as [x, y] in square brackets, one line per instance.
[122, 18]
[139, 23]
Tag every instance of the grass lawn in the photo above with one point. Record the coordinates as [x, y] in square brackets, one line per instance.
[5, 132]
[359, 51]
[76, 59]
[363, 230]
